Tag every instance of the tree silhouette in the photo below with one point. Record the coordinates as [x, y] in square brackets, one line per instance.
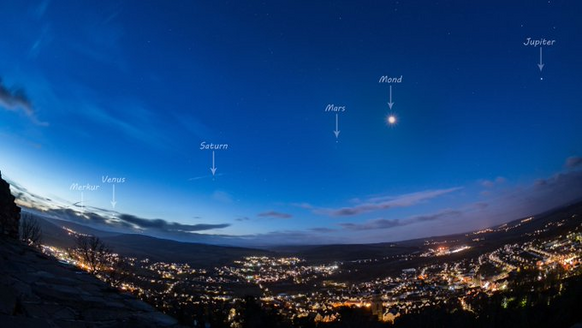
[30, 231]
[92, 251]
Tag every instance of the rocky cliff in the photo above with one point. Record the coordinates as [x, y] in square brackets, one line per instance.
[38, 291]
[9, 212]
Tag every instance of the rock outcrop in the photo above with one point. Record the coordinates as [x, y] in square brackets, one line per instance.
[9, 212]
[38, 291]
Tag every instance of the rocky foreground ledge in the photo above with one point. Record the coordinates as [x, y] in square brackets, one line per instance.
[37, 291]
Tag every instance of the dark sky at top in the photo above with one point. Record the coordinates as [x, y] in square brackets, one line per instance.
[130, 89]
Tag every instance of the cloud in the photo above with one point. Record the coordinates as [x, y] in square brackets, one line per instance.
[289, 237]
[480, 206]
[275, 215]
[208, 176]
[323, 230]
[193, 125]
[44, 39]
[25, 198]
[305, 206]
[15, 100]
[379, 224]
[573, 162]
[508, 204]
[94, 216]
[493, 183]
[101, 36]
[488, 184]
[560, 189]
[165, 226]
[437, 216]
[372, 224]
[561, 186]
[40, 10]
[385, 202]
[138, 129]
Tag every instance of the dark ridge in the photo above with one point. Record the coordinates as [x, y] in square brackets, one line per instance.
[9, 212]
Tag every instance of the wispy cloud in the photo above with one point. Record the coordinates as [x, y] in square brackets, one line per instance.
[193, 125]
[383, 203]
[573, 162]
[130, 118]
[16, 100]
[379, 224]
[208, 176]
[41, 9]
[44, 39]
[492, 183]
[275, 215]
[100, 38]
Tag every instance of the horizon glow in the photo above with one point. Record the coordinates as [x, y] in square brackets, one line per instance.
[276, 124]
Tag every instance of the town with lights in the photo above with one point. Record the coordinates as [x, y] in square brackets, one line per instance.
[452, 273]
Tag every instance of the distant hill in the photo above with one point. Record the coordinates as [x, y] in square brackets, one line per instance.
[327, 253]
[549, 224]
[206, 255]
[513, 231]
[53, 232]
[142, 246]
[195, 254]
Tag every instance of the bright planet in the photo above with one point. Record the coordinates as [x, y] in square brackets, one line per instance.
[391, 119]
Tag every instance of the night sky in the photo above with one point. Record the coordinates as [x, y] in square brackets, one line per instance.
[130, 90]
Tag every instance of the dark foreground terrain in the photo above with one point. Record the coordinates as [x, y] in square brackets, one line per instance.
[38, 291]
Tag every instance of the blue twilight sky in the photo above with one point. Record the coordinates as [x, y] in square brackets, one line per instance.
[130, 89]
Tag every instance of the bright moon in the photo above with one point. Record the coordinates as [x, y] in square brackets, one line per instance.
[391, 119]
